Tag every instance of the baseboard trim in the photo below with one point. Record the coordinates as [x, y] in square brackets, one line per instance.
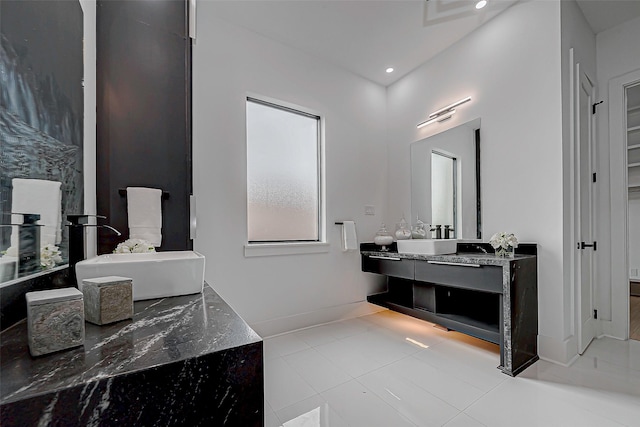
[283, 325]
[613, 329]
[554, 350]
[611, 336]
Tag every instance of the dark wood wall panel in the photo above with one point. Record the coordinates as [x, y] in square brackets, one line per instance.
[144, 113]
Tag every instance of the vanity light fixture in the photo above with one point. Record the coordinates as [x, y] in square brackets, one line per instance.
[389, 70]
[443, 113]
[481, 4]
[441, 118]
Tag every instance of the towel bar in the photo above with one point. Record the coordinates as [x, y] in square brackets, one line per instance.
[123, 193]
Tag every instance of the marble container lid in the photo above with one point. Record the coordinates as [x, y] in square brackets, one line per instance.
[107, 280]
[52, 295]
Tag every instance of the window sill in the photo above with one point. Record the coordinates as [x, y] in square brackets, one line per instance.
[273, 249]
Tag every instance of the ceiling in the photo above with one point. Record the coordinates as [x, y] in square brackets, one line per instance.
[368, 36]
[605, 14]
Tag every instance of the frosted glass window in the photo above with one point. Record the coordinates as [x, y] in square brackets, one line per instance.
[443, 189]
[283, 173]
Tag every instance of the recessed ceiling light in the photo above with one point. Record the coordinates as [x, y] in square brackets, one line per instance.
[389, 70]
[481, 4]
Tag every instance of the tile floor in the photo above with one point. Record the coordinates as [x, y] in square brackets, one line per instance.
[392, 370]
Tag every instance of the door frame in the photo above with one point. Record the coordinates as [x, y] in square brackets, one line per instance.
[619, 325]
[577, 76]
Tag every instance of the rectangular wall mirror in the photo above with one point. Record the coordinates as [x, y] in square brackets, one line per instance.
[445, 180]
[41, 131]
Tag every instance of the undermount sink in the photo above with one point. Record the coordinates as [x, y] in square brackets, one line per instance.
[427, 246]
[155, 274]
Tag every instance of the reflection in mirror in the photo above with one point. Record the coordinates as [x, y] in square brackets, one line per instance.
[443, 189]
[41, 132]
[445, 180]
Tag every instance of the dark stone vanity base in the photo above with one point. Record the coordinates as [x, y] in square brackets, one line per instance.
[182, 361]
[214, 390]
[476, 293]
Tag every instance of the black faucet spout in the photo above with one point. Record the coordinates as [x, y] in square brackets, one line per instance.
[77, 240]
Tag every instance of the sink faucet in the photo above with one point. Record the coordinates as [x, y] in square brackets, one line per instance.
[448, 230]
[77, 240]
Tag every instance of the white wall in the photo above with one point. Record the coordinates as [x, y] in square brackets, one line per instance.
[89, 148]
[511, 69]
[279, 293]
[618, 53]
[578, 51]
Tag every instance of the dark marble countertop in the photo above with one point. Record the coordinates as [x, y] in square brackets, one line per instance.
[162, 331]
[458, 258]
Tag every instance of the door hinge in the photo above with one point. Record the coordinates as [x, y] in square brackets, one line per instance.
[595, 314]
[594, 106]
[594, 177]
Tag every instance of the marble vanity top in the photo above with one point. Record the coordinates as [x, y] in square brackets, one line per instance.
[162, 331]
[458, 258]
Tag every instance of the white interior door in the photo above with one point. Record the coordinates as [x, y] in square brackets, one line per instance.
[585, 233]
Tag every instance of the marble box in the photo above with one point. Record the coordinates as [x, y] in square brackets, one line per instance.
[108, 299]
[55, 320]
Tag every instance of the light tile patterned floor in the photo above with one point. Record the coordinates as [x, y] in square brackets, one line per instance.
[392, 370]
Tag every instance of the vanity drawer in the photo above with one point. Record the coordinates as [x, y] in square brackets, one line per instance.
[388, 265]
[487, 278]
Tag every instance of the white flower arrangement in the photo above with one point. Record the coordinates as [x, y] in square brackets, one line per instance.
[134, 246]
[50, 255]
[502, 242]
[12, 251]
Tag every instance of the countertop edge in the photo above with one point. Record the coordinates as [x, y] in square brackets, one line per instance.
[461, 258]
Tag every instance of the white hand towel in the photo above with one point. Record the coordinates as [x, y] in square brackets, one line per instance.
[38, 196]
[349, 238]
[144, 208]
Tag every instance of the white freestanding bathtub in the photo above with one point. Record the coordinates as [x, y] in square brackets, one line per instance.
[155, 274]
